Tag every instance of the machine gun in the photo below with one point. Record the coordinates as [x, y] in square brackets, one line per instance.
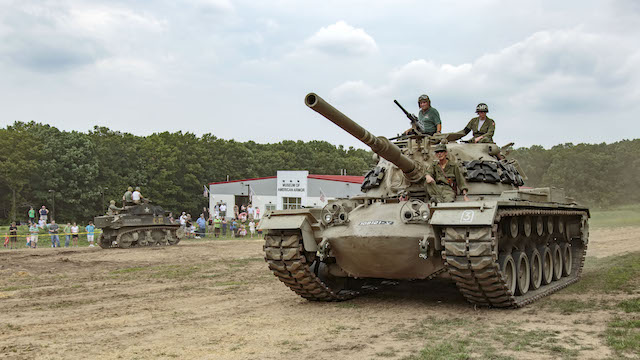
[414, 119]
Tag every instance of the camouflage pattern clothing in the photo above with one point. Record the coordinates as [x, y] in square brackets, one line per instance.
[429, 120]
[448, 181]
[487, 129]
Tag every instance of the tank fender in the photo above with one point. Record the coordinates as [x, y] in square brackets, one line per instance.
[470, 213]
[292, 222]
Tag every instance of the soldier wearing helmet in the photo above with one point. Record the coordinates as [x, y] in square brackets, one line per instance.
[113, 209]
[444, 179]
[126, 198]
[481, 126]
[428, 117]
[136, 196]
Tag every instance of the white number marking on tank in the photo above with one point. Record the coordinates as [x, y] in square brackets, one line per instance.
[467, 216]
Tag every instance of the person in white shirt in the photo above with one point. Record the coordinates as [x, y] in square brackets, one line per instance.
[136, 196]
[252, 227]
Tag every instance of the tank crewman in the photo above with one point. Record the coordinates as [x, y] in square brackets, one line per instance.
[481, 126]
[113, 209]
[428, 117]
[126, 198]
[444, 179]
[136, 196]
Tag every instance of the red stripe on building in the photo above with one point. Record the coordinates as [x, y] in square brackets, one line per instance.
[341, 178]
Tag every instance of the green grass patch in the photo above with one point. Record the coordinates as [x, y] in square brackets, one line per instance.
[566, 306]
[610, 274]
[623, 335]
[632, 305]
[129, 270]
[445, 350]
[627, 215]
[518, 339]
[347, 305]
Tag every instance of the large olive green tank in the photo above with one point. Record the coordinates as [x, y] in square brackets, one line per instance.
[506, 247]
[137, 225]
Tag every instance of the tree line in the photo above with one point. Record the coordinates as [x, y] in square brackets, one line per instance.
[80, 172]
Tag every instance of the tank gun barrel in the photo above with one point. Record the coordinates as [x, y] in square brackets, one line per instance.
[379, 144]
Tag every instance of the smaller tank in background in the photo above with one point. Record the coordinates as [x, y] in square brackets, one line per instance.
[137, 225]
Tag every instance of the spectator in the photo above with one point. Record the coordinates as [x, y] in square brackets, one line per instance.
[187, 226]
[67, 234]
[234, 227]
[224, 226]
[44, 212]
[53, 231]
[250, 212]
[252, 228]
[235, 211]
[13, 236]
[243, 231]
[90, 232]
[216, 210]
[33, 231]
[32, 215]
[183, 219]
[217, 224]
[202, 226]
[223, 210]
[242, 216]
[42, 223]
[257, 213]
[74, 234]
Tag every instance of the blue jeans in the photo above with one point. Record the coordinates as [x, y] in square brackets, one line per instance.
[67, 238]
[55, 240]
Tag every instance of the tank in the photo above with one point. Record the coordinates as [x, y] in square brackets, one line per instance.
[507, 247]
[137, 225]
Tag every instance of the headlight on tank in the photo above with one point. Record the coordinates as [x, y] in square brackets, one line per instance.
[327, 218]
[425, 215]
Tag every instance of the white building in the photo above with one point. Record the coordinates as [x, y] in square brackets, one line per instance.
[287, 190]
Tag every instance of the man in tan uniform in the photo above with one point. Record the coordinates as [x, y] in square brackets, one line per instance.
[482, 127]
[444, 179]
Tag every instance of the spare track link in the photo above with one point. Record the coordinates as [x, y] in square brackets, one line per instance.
[284, 253]
[172, 230]
[471, 258]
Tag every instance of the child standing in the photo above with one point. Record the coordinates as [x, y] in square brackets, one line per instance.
[252, 228]
[90, 229]
[13, 235]
[33, 231]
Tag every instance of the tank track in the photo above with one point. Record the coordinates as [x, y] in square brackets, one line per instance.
[289, 262]
[471, 258]
[172, 239]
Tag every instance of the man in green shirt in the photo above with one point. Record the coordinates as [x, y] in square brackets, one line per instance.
[32, 215]
[482, 127]
[444, 180]
[216, 226]
[428, 117]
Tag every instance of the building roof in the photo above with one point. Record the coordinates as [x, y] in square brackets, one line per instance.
[341, 178]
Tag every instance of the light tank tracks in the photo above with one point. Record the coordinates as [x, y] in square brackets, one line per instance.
[527, 254]
[139, 237]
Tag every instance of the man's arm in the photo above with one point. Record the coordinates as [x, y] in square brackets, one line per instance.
[439, 128]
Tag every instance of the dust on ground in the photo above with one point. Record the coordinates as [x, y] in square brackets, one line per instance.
[217, 300]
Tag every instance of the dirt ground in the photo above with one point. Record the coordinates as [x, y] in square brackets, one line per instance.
[217, 300]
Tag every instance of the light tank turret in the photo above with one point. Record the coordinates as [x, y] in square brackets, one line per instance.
[506, 247]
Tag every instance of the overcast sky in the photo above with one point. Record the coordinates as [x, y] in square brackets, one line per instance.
[550, 71]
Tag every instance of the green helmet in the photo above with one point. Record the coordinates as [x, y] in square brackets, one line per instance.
[482, 107]
[129, 188]
[423, 97]
[112, 202]
[440, 147]
[137, 188]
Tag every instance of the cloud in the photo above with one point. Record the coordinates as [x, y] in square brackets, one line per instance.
[215, 5]
[342, 39]
[61, 37]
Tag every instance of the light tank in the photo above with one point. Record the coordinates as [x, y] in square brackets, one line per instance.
[137, 225]
[506, 247]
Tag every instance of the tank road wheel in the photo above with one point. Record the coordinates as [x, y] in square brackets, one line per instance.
[550, 224]
[536, 268]
[125, 240]
[547, 264]
[513, 227]
[508, 268]
[175, 236]
[157, 237]
[556, 252]
[539, 226]
[523, 272]
[567, 259]
[526, 226]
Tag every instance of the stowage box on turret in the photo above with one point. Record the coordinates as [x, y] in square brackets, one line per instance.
[506, 247]
[137, 225]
